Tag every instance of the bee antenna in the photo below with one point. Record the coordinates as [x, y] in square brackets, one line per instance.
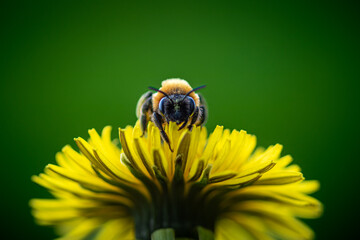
[193, 90]
[158, 90]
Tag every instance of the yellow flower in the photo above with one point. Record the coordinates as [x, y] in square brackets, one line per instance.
[216, 184]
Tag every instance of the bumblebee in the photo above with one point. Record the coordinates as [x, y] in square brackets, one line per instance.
[176, 101]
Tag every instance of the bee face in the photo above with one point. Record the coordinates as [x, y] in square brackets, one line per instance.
[177, 108]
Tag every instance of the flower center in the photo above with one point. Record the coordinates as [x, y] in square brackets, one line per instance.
[176, 205]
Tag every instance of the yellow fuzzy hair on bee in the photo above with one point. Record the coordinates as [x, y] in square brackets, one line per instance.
[174, 86]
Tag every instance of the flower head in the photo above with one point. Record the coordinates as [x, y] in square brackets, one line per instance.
[218, 184]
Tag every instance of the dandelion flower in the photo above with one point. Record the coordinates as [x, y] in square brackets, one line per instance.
[216, 187]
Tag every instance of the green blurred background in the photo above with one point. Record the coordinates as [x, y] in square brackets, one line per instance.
[286, 71]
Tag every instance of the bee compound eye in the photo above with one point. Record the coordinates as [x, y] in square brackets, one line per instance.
[161, 105]
[192, 105]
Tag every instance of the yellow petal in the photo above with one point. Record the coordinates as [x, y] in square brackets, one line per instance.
[116, 229]
[82, 230]
[227, 229]
[278, 178]
[213, 139]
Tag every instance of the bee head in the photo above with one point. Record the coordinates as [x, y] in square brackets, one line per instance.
[177, 108]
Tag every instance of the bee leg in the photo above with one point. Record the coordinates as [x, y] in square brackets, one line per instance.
[194, 118]
[203, 111]
[202, 116]
[144, 114]
[143, 123]
[157, 119]
[183, 125]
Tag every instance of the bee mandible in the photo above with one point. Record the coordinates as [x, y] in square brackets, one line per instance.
[176, 101]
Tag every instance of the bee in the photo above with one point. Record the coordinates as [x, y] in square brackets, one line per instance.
[176, 101]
